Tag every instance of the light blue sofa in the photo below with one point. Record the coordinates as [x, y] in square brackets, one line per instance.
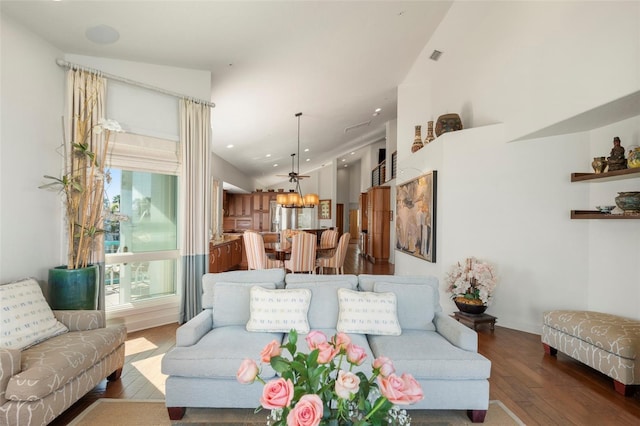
[437, 350]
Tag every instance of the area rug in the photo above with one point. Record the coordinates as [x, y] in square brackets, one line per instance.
[128, 412]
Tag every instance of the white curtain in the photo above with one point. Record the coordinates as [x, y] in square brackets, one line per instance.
[87, 90]
[195, 141]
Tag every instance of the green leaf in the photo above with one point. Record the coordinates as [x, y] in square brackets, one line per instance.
[279, 364]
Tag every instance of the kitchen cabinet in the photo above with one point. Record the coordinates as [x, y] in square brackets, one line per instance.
[225, 256]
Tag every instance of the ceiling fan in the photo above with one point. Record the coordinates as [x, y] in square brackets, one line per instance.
[294, 176]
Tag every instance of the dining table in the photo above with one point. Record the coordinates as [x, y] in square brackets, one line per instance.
[282, 250]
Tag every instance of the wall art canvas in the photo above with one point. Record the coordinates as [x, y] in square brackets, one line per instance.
[416, 217]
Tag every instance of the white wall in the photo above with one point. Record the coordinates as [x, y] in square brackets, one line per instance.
[527, 65]
[32, 106]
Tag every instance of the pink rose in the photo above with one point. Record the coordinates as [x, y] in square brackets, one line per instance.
[347, 384]
[307, 412]
[341, 341]
[384, 365]
[272, 349]
[327, 353]
[403, 390]
[315, 338]
[247, 372]
[277, 394]
[356, 354]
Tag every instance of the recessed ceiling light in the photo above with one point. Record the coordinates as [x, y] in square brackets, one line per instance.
[346, 165]
[378, 109]
[229, 146]
[268, 155]
[352, 152]
[308, 159]
[375, 114]
[102, 34]
[344, 159]
[275, 165]
[306, 150]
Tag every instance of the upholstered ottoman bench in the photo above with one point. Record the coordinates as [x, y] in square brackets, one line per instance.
[607, 343]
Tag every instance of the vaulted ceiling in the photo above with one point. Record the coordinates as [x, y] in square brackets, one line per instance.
[334, 61]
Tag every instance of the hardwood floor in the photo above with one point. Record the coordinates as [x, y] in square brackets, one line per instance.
[539, 389]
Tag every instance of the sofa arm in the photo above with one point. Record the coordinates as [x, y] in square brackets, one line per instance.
[458, 334]
[193, 330]
[10, 360]
[81, 320]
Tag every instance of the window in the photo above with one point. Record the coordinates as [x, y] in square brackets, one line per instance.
[141, 237]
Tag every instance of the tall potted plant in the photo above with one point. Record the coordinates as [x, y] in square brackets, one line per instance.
[75, 285]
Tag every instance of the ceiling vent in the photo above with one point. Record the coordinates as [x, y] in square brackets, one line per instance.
[356, 126]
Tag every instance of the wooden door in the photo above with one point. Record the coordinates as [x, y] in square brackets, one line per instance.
[340, 218]
[353, 224]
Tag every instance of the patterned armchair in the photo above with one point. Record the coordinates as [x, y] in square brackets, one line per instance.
[256, 256]
[337, 260]
[303, 253]
[63, 356]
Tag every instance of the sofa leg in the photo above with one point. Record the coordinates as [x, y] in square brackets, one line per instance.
[622, 389]
[476, 416]
[176, 413]
[549, 350]
[115, 375]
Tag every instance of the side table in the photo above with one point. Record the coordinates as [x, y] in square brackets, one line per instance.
[473, 321]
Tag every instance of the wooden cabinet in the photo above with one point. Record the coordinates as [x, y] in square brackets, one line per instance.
[225, 256]
[379, 223]
[603, 177]
[239, 204]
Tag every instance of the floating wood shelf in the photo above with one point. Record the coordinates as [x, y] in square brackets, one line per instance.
[606, 176]
[595, 214]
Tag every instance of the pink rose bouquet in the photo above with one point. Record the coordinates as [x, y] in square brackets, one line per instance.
[321, 388]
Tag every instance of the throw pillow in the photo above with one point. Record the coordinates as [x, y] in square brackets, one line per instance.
[26, 316]
[416, 304]
[231, 302]
[279, 310]
[363, 312]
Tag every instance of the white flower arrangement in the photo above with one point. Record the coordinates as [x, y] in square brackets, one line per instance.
[472, 280]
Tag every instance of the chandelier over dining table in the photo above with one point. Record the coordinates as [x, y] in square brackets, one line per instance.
[294, 198]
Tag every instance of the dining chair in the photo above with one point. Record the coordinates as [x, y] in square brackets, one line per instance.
[303, 253]
[337, 260]
[328, 238]
[256, 256]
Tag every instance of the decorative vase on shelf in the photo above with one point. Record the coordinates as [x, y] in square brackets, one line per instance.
[429, 138]
[448, 123]
[633, 159]
[599, 164]
[417, 140]
[466, 307]
[629, 202]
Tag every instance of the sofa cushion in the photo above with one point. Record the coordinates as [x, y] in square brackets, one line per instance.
[53, 363]
[219, 354]
[415, 304]
[26, 316]
[275, 276]
[428, 355]
[364, 312]
[231, 302]
[279, 310]
[323, 310]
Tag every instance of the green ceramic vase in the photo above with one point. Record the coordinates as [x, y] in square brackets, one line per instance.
[71, 289]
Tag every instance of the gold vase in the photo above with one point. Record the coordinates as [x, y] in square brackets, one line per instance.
[599, 164]
[417, 140]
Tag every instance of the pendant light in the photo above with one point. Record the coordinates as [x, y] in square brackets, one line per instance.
[294, 198]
